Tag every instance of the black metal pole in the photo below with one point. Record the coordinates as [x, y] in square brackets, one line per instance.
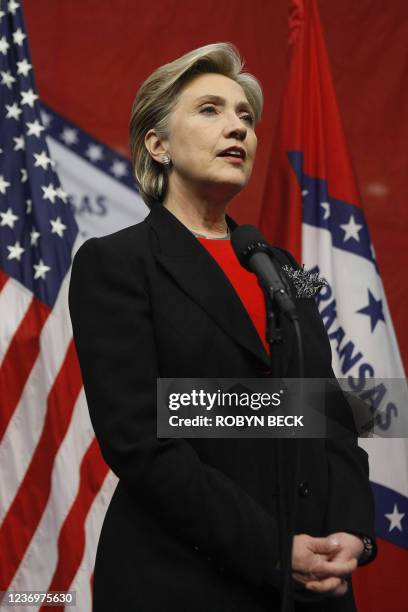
[286, 515]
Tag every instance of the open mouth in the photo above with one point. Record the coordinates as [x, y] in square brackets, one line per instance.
[233, 154]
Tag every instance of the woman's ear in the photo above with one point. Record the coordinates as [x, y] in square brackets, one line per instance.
[155, 146]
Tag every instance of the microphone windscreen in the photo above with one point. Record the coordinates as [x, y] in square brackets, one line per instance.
[245, 241]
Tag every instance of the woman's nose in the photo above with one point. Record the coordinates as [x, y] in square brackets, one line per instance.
[235, 128]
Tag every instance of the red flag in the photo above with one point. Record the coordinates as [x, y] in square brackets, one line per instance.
[312, 207]
[309, 121]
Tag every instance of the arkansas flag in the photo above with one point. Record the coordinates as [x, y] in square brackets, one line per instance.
[312, 207]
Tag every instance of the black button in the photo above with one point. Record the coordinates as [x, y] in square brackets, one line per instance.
[304, 489]
[196, 548]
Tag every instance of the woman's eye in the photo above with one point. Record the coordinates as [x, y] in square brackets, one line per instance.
[208, 108]
[211, 110]
[248, 119]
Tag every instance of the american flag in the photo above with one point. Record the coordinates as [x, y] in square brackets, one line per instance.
[52, 473]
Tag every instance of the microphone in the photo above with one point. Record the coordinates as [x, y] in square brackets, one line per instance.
[253, 253]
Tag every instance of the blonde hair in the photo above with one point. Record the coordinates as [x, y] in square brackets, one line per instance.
[157, 97]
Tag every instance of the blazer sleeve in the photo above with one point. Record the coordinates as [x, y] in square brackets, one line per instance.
[351, 502]
[114, 337]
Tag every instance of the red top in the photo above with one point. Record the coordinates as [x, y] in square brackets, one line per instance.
[245, 283]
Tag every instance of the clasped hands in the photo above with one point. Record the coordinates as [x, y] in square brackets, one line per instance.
[323, 564]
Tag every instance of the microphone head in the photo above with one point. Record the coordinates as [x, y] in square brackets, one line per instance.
[247, 240]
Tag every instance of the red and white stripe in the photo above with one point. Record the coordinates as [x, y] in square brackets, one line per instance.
[27, 420]
[55, 486]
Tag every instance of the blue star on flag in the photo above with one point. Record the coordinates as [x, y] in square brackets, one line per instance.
[373, 310]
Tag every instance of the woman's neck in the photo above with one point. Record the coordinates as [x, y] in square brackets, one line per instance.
[199, 215]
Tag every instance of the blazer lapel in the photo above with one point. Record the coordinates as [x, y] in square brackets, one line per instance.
[193, 268]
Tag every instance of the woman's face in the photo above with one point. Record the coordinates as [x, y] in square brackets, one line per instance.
[211, 115]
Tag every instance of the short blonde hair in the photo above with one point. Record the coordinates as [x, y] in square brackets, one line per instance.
[157, 97]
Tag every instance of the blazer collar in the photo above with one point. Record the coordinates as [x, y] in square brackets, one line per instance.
[193, 268]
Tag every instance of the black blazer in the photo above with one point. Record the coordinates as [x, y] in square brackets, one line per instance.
[192, 525]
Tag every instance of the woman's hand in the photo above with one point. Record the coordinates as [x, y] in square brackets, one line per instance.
[350, 548]
[322, 564]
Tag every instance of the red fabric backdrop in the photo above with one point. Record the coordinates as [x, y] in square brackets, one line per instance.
[90, 57]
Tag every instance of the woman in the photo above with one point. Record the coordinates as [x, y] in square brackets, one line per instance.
[193, 523]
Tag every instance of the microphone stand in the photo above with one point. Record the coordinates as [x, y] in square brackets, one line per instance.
[286, 515]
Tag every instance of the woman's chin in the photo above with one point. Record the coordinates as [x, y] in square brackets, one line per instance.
[228, 187]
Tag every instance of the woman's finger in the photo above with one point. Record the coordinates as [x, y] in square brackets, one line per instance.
[339, 568]
[327, 585]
